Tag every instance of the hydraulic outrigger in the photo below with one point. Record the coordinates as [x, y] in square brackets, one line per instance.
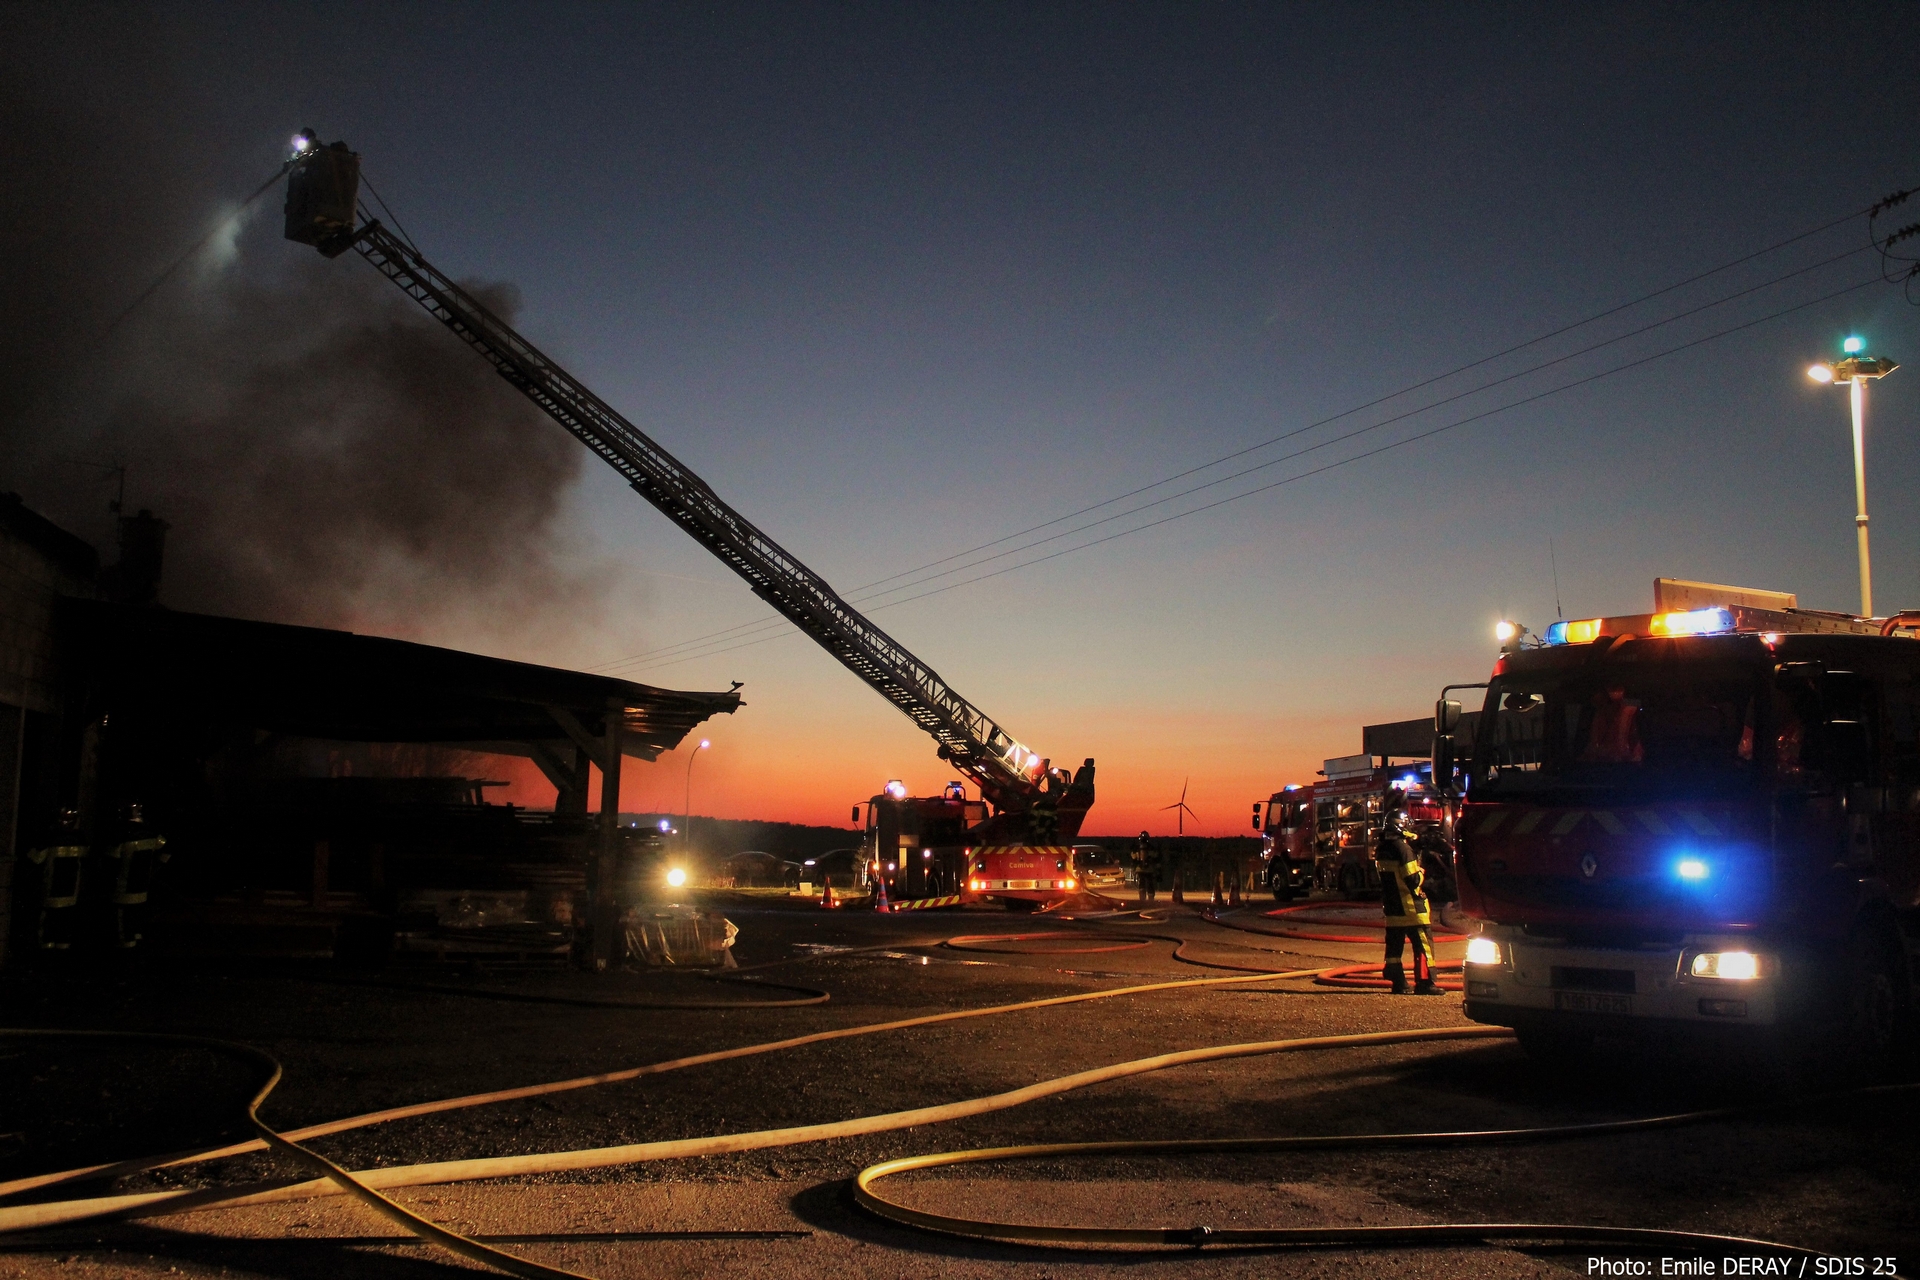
[323, 210]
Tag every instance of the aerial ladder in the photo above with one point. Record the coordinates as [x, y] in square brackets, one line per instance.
[1028, 798]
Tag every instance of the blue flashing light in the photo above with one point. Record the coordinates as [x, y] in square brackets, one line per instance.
[1691, 869]
[1291, 786]
[1854, 346]
[1557, 633]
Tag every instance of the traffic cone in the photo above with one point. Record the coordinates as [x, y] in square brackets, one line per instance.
[880, 897]
[826, 894]
[1233, 898]
[1216, 892]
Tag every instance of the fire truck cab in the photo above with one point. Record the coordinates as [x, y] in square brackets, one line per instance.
[1287, 841]
[917, 845]
[1700, 820]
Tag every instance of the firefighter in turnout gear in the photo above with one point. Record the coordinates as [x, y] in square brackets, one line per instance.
[1403, 894]
[134, 860]
[60, 865]
[1146, 868]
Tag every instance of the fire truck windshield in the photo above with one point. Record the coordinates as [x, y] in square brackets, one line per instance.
[1628, 728]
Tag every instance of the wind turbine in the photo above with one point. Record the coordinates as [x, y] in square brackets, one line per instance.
[1181, 806]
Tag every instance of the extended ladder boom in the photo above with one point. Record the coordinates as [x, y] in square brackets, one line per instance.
[324, 180]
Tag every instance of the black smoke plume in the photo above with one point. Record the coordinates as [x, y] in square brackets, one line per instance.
[325, 453]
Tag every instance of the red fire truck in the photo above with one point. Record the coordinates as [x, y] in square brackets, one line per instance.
[1702, 819]
[1322, 836]
[942, 850]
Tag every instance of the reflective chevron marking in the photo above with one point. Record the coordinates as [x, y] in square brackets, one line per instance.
[1698, 821]
[1568, 821]
[922, 904]
[1608, 823]
[1528, 821]
[1489, 824]
[1653, 822]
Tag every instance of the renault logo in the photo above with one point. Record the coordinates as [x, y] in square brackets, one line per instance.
[1588, 866]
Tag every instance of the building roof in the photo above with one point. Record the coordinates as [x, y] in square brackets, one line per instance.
[195, 668]
[73, 554]
[1410, 739]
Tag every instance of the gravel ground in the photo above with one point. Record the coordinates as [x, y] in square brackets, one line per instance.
[1831, 1175]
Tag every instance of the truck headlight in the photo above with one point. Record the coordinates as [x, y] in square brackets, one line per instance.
[1736, 966]
[1482, 950]
[676, 877]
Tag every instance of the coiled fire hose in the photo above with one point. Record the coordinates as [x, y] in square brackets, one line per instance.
[366, 1185]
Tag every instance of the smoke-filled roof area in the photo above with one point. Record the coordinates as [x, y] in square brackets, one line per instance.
[324, 453]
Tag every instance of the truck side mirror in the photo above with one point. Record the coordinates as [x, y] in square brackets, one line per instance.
[1256, 815]
[855, 819]
[1443, 759]
[1446, 716]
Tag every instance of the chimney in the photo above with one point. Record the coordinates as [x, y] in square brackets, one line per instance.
[143, 544]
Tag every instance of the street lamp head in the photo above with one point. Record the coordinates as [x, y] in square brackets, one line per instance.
[1820, 372]
[704, 744]
[1854, 346]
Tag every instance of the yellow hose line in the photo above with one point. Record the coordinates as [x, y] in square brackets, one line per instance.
[366, 1182]
[126, 1168]
[1414, 1235]
[338, 1179]
[145, 1204]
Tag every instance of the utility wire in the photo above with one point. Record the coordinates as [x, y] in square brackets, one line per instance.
[857, 593]
[1330, 466]
[1399, 417]
[866, 594]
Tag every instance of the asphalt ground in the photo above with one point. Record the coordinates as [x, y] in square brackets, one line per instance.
[1831, 1173]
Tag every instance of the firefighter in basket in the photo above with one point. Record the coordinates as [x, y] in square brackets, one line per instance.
[1403, 894]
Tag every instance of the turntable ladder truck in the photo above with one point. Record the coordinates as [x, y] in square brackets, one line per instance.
[323, 210]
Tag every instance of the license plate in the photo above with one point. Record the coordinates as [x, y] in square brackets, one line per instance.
[1591, 1002]
[1022, 884]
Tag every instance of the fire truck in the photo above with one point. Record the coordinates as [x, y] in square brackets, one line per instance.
[1321, 836]
[1025, 803]
[1696, 821]
[942, 851]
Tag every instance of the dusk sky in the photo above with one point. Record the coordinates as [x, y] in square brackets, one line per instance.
[900, 280]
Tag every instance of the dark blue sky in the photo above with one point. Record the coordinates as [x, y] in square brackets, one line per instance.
[900, 279]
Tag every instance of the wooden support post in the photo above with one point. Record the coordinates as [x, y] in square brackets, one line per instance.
[575, 799]
[322, 855]
[606, 910]
[12, 736]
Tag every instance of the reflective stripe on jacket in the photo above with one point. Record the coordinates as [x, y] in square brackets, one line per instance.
[1402, 884]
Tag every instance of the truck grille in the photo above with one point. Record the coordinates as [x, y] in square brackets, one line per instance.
[1571, 978]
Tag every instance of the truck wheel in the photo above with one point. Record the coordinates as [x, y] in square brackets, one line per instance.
[1353, 884]
[1283, 892]
[1876, 1005]
[1554, 1045]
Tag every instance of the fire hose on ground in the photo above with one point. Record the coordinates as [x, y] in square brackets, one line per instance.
[367, 1186]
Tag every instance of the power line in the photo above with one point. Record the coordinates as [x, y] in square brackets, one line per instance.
[866, 591]
[1330, 466]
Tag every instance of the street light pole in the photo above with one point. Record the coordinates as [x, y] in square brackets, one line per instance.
[1858, 386]
[686, 823]
[1855, 370]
